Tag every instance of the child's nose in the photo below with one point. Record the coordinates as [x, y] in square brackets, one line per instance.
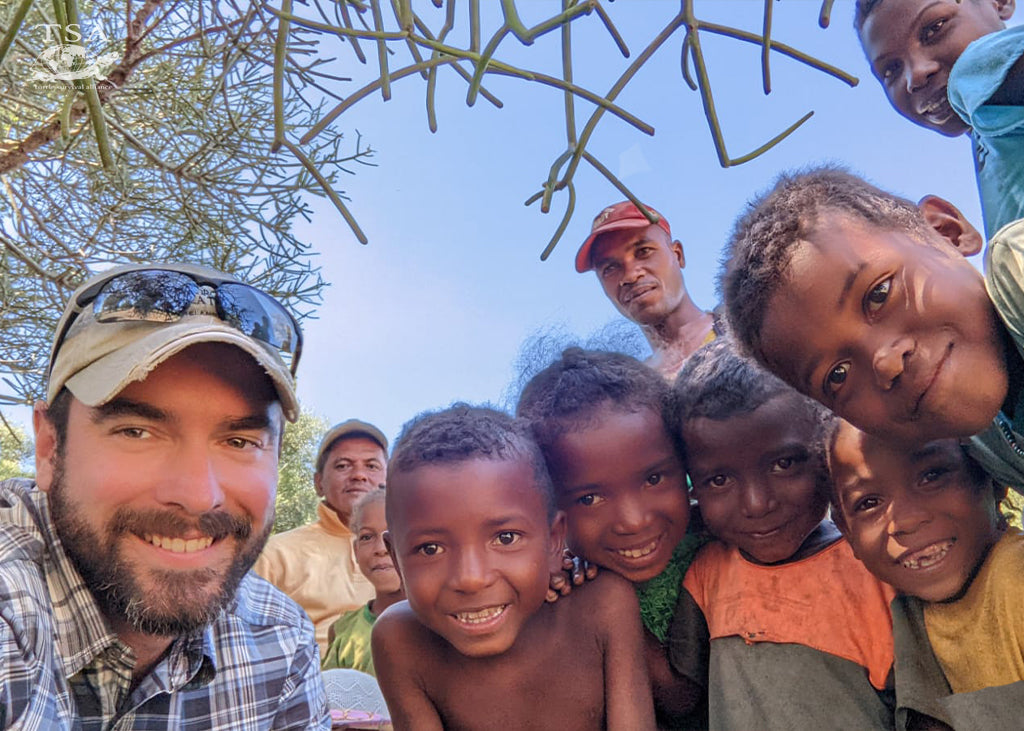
[758, 500]
[906, 517]
[470, 572]
[889, 361]
[917, 70]
[631, 516]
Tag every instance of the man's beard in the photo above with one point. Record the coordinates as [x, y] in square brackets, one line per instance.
[182, 601]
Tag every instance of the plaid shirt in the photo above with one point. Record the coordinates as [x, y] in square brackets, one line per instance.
[61, 667]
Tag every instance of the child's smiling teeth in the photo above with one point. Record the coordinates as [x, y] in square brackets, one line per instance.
[481, 615]
[638, 552]
[179, 545]
[928, 556]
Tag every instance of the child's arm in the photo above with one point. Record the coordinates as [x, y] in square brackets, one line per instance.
[674, 694]
[628, 702]
[396, 653]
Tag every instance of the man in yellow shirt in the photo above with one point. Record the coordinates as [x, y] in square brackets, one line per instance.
[315, 564]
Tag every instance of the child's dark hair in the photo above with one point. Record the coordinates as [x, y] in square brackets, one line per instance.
[359, 508]
[863, 9]
[718, 383]
[568, 394]
[461, 433]
[776, 223]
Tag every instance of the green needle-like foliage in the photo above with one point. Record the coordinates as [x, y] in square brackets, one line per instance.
[163, 151]
[393, 24]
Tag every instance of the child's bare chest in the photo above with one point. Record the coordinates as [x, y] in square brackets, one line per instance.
[554, 684]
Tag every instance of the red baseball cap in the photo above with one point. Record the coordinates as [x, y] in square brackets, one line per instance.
[615, 218]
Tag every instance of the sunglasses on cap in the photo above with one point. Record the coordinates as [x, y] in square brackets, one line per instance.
[166, 295]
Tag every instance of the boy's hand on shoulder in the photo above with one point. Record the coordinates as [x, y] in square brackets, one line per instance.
[574, 572]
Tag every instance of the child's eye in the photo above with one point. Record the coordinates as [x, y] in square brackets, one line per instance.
[836, 378]
[928, 33]
[589, 499]
[783, 464]
[507, 538]
[717, 481]
[654, 478]
[934, 474]
[866, 504]
[429, 549]
[877, 296]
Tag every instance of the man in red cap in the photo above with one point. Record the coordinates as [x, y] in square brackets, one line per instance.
[640, 268]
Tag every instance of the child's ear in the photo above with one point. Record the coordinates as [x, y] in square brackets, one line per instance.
[951, 224]
[557, 545]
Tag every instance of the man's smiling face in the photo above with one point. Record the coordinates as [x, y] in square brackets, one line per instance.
[895, 334]
[164, 497]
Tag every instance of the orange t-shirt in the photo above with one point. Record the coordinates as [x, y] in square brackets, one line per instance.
[828, 602]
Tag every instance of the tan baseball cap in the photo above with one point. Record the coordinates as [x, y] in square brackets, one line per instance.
[349, 428]
[96, 360]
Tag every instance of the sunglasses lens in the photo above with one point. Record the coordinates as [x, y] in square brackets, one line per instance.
[257, 315]
[147, 295]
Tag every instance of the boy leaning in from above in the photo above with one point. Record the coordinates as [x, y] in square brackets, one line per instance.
[599, 418]
[954, 67]
[473, 527]
[864, 301]
[800, 632]
[349, 637]
[927, 522]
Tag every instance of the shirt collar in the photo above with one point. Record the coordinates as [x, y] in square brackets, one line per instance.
[330, 520]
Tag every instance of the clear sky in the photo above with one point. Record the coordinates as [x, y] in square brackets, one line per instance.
[436, 307]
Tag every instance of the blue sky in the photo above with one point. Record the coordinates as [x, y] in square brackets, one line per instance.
[435, 308]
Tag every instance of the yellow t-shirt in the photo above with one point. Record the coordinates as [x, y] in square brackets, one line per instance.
[979, 639]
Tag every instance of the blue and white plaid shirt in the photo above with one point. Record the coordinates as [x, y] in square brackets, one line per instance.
[61, 667]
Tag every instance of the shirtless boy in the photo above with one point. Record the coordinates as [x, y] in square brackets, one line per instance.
[474, 530]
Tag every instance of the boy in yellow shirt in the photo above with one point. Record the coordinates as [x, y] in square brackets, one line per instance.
[926, 521]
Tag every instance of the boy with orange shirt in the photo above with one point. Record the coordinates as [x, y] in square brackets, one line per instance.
[799, 631]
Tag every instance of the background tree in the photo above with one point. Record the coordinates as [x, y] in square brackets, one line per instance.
[15, 452]
[141, 131]
[296, 497]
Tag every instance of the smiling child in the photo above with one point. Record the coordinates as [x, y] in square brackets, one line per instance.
[864, 302]
[952, 66]
[800, 633]
[349, 637]
[475, 532]
[927, 522]
[599, 418]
